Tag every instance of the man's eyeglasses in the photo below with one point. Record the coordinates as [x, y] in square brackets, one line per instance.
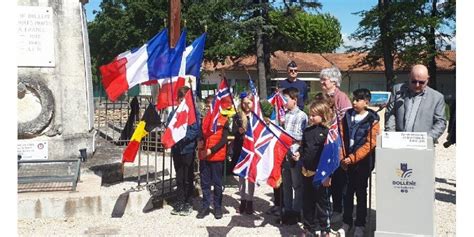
[293, 70]
[418, 81]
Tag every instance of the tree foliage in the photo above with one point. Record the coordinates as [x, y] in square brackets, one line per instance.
[121, 25]
[416, 31]
[304, 32]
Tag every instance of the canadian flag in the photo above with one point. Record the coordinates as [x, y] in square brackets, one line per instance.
[184, 115]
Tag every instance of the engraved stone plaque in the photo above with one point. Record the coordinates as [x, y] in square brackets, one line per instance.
[35, 37]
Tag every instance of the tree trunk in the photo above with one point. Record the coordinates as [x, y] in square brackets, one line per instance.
[262, 85]
[266, 47]
[432, 45]
[387, 42]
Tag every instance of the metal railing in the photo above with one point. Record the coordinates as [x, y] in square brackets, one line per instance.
[49, 171]
[154, 164]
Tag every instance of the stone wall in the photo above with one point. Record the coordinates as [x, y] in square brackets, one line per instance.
[67, 125]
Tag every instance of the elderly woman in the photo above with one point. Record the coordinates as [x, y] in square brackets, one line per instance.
[331, 79]
[330, 82]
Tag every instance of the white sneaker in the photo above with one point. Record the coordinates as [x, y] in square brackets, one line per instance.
[336, 217]
[344, 230]
[359, 231]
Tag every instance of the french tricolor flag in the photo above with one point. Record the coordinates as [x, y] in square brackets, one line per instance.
[189, 67]
[152, 61]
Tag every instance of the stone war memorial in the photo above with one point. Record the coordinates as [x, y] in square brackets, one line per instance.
[55, 104]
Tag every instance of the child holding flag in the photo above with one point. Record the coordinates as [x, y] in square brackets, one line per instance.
[183, 153]
[240, 126]
[321, 117]
[295, 122]
[212, 151]
[359, 130]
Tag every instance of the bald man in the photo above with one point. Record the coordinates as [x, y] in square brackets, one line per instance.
[415, 107]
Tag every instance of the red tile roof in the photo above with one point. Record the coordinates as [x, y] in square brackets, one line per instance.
[314, 62]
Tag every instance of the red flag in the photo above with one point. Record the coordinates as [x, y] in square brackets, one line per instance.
[168, 95]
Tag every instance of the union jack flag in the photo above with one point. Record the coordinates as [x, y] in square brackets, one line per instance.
[329, 161]
[278, 101]
[264, 149]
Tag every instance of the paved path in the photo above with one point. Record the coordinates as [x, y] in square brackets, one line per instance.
[160, 222]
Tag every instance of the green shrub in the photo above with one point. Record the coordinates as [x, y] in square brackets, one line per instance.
[267, 108]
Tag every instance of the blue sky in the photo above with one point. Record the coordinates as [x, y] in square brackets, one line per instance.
[341, 9]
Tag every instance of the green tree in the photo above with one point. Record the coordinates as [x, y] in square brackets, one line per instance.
[305, 32]
[231, 24]
[412, 31]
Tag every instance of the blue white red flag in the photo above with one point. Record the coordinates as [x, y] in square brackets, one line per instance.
[278, 114]
[141, 65]
[263, 151]
[329, 161]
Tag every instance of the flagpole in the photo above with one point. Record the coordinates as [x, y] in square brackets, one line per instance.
[194, 104]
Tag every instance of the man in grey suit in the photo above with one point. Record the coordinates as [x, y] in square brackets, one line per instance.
[415, 107]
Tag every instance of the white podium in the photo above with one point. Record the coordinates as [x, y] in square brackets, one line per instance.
[405, 185]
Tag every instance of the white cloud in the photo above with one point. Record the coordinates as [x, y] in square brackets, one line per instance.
[348, 43]
[355, 43]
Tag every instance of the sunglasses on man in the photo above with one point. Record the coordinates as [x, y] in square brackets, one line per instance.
[417, 82]
[293, 70]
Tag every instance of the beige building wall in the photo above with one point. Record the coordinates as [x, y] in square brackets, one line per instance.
[351, 81]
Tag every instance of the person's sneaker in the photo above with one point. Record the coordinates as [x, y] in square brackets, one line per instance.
[186, 210]
[218, 213]
[344, 230]
[359, 231]
[203, 212]
[336, 217]
[177, 208]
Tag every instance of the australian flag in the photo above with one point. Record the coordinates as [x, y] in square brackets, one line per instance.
[263, 151]
[329, 161]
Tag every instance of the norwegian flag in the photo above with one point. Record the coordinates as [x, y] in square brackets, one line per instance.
[329, 161]
[222, 100]
[278, 101]
[263, 151]
[184, 115]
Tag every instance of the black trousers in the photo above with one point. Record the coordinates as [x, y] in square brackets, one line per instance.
[338, 189]
[316, 206]
[357, 184]
[278, 196]
[184, 167]
[211, 175]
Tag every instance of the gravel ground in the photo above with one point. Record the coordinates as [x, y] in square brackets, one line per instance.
[160, 222]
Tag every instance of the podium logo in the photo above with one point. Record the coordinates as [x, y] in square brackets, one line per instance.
[404, 172]
[404, 183]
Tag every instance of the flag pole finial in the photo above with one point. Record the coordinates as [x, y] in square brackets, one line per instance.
[184, 23]
[165, 23]
[205, 28]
